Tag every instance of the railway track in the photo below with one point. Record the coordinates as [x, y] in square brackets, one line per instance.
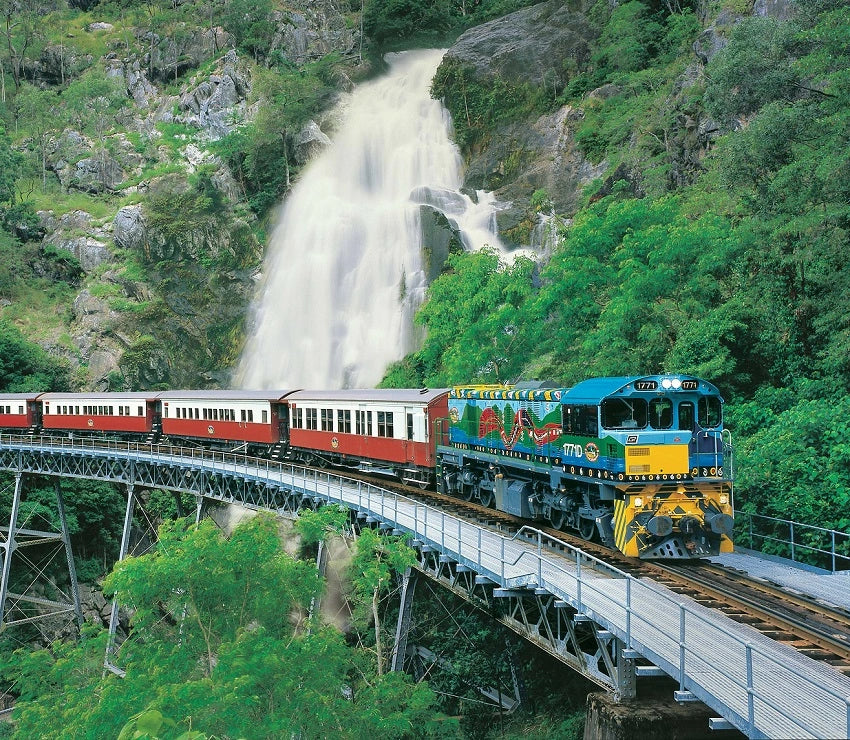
[817, 629]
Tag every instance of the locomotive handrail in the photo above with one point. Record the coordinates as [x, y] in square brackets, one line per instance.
[609, 601]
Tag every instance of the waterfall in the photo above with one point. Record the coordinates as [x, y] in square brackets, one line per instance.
[344, 272]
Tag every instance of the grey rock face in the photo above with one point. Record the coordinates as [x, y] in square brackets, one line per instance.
[312, 29]
[782, 10]
[75, 233]
[139, 87]
[129, 229]
[309, 142]
[96, 174]
[220, 102]
[544, 156]
[182, 50]
[530, 45]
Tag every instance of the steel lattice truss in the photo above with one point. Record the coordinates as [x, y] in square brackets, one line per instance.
[541, 618]
[533, 613]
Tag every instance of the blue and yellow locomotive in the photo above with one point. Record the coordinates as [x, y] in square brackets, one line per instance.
[641, 463]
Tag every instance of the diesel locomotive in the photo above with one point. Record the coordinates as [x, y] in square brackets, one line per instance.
[641, 463]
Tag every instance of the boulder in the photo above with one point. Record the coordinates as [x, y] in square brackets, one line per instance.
[309, 142]
[97, 174]
[129, 229]
[75, 233]
[532, 45]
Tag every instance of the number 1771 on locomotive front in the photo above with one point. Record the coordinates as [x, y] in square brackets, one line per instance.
[642, 463]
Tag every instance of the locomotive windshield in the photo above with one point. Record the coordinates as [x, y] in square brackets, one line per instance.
[709, 412]
[624, 413]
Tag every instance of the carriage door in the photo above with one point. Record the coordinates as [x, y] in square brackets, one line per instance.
[410, 433]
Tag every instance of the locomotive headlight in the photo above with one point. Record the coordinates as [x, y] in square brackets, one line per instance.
[638, 502]
[724, 499]
[666, 383]
[677, 383]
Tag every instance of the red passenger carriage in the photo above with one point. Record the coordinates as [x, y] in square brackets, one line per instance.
[257, 417]
[384, 430]
[18, 411]
[123, 413]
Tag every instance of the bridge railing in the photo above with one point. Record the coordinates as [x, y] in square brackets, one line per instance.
[612, 597]
[807, 544]
[676, 642]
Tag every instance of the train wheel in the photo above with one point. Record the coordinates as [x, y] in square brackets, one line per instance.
[557, 517]
[587, 528]
[486, 497]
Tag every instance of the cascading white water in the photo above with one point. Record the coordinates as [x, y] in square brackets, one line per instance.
[344, 272]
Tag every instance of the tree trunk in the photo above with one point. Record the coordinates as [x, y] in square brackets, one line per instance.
[378, 649]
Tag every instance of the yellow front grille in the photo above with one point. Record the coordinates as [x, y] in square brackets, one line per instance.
[663, 460]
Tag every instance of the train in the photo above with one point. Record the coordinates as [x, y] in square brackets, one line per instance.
[640, 463]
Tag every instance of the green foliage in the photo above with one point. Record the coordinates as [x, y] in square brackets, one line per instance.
[390, 21]
[9, 167]
[478, 106]
[756, 68]
[800, 450]
[474, 316]
[92, 99]
[25, 366]
[251, 24]
[629, 39]
[214, 649]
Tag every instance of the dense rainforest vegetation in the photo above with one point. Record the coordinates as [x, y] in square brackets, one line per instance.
[714, 243]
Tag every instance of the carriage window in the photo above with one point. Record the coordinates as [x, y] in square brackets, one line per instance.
[661, 413]
[624, 413]
[327, 420]
[385, 424]
[359, 422]
[410, 426]
[312, 419]
[297, 418]
[369, 423]
[580, 420]
[686, 415]
[343, 421]
[265, 417]
[709, 412]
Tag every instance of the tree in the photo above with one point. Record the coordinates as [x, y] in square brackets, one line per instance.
[217, 646]
[36, 111]
[10, 167]
[377, 559]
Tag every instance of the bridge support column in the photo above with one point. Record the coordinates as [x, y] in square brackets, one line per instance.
[24, 607]
[9, 546]
[402, 631]
[69, 555]
[122, 553]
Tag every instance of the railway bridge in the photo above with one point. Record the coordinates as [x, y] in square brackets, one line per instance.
[609, 626]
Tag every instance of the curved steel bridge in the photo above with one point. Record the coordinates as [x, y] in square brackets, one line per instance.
[610, 627]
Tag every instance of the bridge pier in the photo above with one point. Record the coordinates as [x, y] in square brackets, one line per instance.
[25, 607]
[655, 716]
